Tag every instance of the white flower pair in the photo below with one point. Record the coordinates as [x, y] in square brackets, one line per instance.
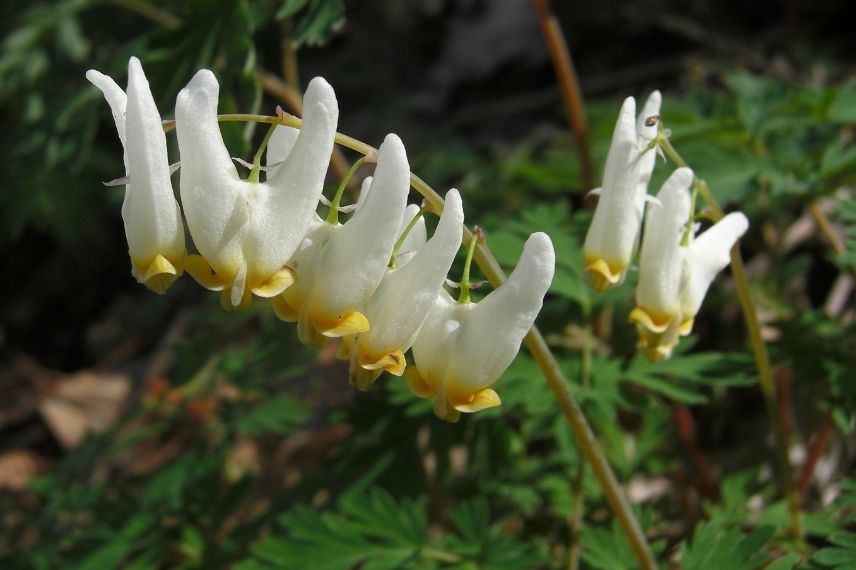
[335, 280]
[675, 269]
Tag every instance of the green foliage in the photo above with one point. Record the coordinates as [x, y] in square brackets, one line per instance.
[374, 530]
[319, 19]
[715, 547]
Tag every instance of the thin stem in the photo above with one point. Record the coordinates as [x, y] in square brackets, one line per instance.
[400, 241]
[536, 344]
[478, 236]
[333, 214]
[578, 504]
[759, 348]
[826, 228]
[257, 159]
[569, 85]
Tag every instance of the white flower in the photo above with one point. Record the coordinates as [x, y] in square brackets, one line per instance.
[401, 302]
[614, 231]
[151, 214]
[658, 310]
[340, 266]
[706, 256]
[247, 231]
[462, 349]
[674, 278]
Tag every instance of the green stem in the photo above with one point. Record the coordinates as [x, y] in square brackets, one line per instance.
[536, 344]
[333, 214]
[257, 159]
[759, 348]
[422, 211]
[478, 236]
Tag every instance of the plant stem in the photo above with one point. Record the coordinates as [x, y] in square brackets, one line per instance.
[575, 522]
[569, 85]
[759, 348]
[536, 344]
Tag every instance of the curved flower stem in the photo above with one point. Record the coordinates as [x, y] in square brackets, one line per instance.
[759, 348]
[536, 344]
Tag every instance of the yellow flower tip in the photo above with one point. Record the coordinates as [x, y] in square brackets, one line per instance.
[393, 362]
[276, 284]
[445, 412]
[417, 384]
[283, 309]
[345, 349]
[158, 275]
[481, 400]
[655, 347]
[602, 274]
[363, 379]
[651, 320]
[352, 322]
[202, 272]
[226, 300]
[686, 326]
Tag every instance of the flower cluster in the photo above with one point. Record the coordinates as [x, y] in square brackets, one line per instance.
[676, 268]
[375, 281]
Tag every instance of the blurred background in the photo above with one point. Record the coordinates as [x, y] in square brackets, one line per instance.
[158, 432]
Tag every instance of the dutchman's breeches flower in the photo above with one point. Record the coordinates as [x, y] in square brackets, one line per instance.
[614, 231]
[658, 309]
[401, 302]
[151, 214]
[246, 231]
[462, 348]
[707, 255]
[340, 266]
[676, 270]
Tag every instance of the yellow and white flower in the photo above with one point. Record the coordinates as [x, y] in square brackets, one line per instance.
[674, 277]
[658, 308]
[703, 259]
[462, 348]
[613, 235]
[150, 211]
[340, 266]
[403, 299]
[247, 231]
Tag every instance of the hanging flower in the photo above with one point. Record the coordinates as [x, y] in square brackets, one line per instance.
[675, 276]
[658, 311]
[402, 301]
[706, 256]
[340, 266]
[151, 214]
[462, 348]
[245, 230]
[613, 235]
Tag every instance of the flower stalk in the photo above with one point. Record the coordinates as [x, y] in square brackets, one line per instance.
[756, 341]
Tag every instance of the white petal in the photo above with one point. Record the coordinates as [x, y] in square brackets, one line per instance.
[115, 97]
[707, 256]
[400, 304]
[279, 146]
[356, 257]
[492, 330]
[660, 259]
[645, 135]
[297, 184]
[434, 340]
[152, 217]
[614, 230]
[210, 187]
[415, 239]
